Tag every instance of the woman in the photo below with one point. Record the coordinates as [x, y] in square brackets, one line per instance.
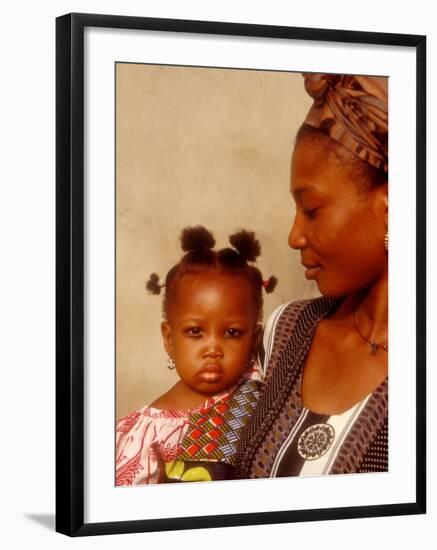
[324, 408]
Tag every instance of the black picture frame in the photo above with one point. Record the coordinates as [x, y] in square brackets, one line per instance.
[70, 272]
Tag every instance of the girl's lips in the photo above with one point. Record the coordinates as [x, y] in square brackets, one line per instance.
[210, 373]
[312, 271]
[210, 377]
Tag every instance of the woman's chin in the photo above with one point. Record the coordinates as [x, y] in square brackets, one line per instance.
[330, 290]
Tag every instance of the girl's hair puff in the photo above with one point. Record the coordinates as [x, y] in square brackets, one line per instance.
[153, 285]
[197, 243]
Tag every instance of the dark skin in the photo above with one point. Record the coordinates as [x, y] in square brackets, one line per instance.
[339, 229]
[211, 332]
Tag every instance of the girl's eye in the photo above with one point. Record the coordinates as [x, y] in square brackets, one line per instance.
[193, 331]
[233, 333]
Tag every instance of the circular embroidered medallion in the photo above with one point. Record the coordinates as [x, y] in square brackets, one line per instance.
[315, 441]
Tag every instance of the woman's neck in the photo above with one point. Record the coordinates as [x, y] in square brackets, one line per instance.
[369, 309]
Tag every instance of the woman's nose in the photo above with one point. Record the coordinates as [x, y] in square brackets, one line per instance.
[296, 237]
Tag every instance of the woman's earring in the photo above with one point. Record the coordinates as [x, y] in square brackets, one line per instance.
[386, 240]
[171, 364]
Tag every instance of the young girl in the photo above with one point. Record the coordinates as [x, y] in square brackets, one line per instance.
[212, 310]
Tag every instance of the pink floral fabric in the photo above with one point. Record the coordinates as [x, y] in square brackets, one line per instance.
[138, 438]
[145, 436]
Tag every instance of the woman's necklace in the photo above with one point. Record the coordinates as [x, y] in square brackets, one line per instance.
[374, 346]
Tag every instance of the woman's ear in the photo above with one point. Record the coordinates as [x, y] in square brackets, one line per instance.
[385, 199]
[380, 203]
[166, 337]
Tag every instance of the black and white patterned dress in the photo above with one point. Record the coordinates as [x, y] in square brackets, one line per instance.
[284, 438]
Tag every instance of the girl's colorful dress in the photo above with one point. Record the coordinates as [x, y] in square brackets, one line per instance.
[154, 446]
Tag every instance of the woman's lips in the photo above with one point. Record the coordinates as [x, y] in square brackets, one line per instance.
[210, 373]
[312, 271]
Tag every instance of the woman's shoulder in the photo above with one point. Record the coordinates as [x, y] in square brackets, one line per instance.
[287, 314]
[297, 306]
[287, 309]
[282, 322]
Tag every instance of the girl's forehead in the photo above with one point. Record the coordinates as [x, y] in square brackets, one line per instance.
[213, 293]
[222, 280]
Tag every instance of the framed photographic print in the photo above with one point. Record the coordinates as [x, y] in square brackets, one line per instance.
[218, 320]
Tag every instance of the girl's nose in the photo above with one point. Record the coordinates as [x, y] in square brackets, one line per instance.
[296, 237]
[213, 347]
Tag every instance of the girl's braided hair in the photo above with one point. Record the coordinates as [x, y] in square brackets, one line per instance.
[197, 243]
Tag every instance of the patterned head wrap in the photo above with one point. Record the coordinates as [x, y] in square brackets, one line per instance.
[353, 110]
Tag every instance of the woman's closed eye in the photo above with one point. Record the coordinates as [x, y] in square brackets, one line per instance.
[310, 212]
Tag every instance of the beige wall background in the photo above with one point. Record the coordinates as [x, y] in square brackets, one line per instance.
[196, 146]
